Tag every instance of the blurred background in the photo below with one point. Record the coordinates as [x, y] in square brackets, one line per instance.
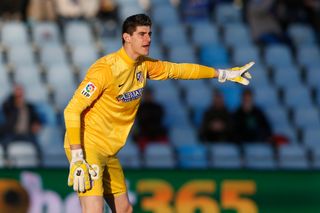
[196, 146]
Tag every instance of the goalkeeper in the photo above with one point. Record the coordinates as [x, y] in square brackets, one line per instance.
[100, 115]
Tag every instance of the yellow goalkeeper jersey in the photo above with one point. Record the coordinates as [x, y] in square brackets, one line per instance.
[102, 109]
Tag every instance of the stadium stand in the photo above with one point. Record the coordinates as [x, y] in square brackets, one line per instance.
[159, 155]
[259, 156]
[225, 155]
[50, 58]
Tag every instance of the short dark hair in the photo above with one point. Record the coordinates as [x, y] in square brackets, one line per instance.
[132, 22]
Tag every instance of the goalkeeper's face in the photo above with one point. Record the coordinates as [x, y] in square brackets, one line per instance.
[140, 40]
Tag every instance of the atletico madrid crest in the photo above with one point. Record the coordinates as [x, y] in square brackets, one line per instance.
[139, 77]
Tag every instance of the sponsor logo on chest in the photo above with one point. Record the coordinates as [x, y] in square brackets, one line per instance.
[130, 96]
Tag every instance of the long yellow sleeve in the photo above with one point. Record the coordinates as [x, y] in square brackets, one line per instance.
[87, 92]
[161, 70]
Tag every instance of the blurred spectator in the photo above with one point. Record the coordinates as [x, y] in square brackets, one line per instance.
[264, 24]
[217, 122]
[290, 11]
[108, 14]
[21, 119]
[41, 10]
[76, 9]
[313, 9]
[108, 10]
[13, 9]
[250, 123]
[150, 126]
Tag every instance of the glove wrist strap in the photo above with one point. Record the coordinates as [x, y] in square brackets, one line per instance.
[77, 155]
[222, 77]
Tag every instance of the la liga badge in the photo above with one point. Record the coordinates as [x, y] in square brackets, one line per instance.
[88, 90]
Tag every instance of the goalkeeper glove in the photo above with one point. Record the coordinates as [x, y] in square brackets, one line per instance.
[236, 74]
[80, 173]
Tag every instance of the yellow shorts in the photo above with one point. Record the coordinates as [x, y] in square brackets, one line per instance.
[110, 181]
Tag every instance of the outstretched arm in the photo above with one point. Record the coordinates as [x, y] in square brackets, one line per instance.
[161, 70]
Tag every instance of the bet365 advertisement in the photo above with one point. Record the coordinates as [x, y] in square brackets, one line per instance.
[166, 191]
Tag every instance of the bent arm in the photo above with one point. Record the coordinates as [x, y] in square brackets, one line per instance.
[88, 91]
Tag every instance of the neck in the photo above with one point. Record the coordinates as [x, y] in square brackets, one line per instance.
[132, 54]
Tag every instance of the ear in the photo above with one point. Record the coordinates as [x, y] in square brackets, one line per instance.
[126, 37]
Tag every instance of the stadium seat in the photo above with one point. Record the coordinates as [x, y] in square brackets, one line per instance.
[14, 34]
[278, 56]
[226, 13]
[214, 55]
[28, 76]
[305, 118]
[243, 55]
[308, 56]
[22, 154]
[164, 15]
[44, 33]
[111, 44]
[277, 116]
[78, 33]
[297, 97]
[189, 84]
[165, 92]
[159, 155]
[156, 52]
[50, 139]
[182, 136]
[198, 98]
[168, 96]
[192, 156]
[163, 88]
[315, 156]
[182, 54]
[61, 80]
[21, 56]
[169, 38]
[37, 94]
[53, 54]
[261, 78]
[293, 157]
[129, 156]
[259, 156]
[301, 34]
[237, 35]
[176, 116]
[311, 137]
[225, 155]
[204, 33]
[312, 77]
[286, 77]
[84, 55]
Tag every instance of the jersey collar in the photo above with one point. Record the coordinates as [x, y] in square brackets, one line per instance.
[125, 57]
